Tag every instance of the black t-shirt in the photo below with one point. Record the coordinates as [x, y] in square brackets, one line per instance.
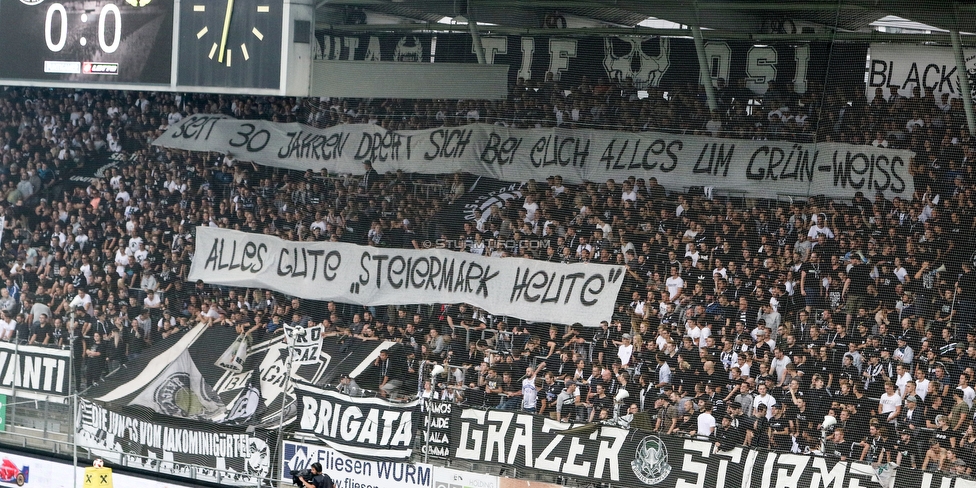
[493, 399]
[967, 283]
[41, 331]
[58, 333]
[776, 425]
[760, 432]
[322, 480]
[841, 344]
[860, 277]
[605, 403]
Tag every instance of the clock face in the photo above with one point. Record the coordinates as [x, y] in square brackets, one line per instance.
[94, 41]
[232, 43]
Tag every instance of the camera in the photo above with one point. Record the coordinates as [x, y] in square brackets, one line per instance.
[304, 473]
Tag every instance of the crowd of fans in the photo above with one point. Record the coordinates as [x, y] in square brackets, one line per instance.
[752, 322]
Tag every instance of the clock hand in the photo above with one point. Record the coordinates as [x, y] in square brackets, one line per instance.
[223, 35]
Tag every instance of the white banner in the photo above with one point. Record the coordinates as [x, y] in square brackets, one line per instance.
[528, 289]
[50, 473]
[235, 355]
[306, 344]
[903, 67]
[348, 472]
[758, 168]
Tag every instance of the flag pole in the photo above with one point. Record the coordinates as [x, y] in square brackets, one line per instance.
[289, 340]
[75, 414]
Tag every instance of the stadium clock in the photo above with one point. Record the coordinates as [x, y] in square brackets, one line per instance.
[122, 41]
[233, 43]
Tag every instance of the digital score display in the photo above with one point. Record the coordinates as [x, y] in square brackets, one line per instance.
[87, 41]
[214, 46]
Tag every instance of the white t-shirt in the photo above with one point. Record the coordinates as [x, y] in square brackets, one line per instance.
[902, 382]
[922, 388]
[779, 367]
[767, 400]
[122, 256]
[529, 393]
[154, 302]
[625, 353]
[967, 395]
[79, 301]
[211, 313]
[695, 334]
[889, 403]
[675, 284]
[816, 230]
[706, 424]
[705, 333]
[8, 327]
[901, 273]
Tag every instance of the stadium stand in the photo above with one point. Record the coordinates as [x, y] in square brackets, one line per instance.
[816, 325]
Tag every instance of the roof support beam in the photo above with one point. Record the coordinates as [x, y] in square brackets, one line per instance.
[967, 99]
[872, 36]
[479, 50]
[703, 72]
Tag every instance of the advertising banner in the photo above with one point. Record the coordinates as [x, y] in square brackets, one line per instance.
[350, 472]
[17, 469]
[453, 478]
[917, 478]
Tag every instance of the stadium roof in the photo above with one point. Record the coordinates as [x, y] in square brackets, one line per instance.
[849, 19]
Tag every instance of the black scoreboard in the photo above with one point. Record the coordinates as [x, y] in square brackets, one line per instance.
[145, 44]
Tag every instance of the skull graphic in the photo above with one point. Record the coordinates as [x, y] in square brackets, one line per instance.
[628, 57]
[409, 49]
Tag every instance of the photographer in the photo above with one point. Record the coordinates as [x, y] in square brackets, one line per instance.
[314, 478]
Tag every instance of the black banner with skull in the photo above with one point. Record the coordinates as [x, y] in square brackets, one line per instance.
[665, 63]
[634, 458]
